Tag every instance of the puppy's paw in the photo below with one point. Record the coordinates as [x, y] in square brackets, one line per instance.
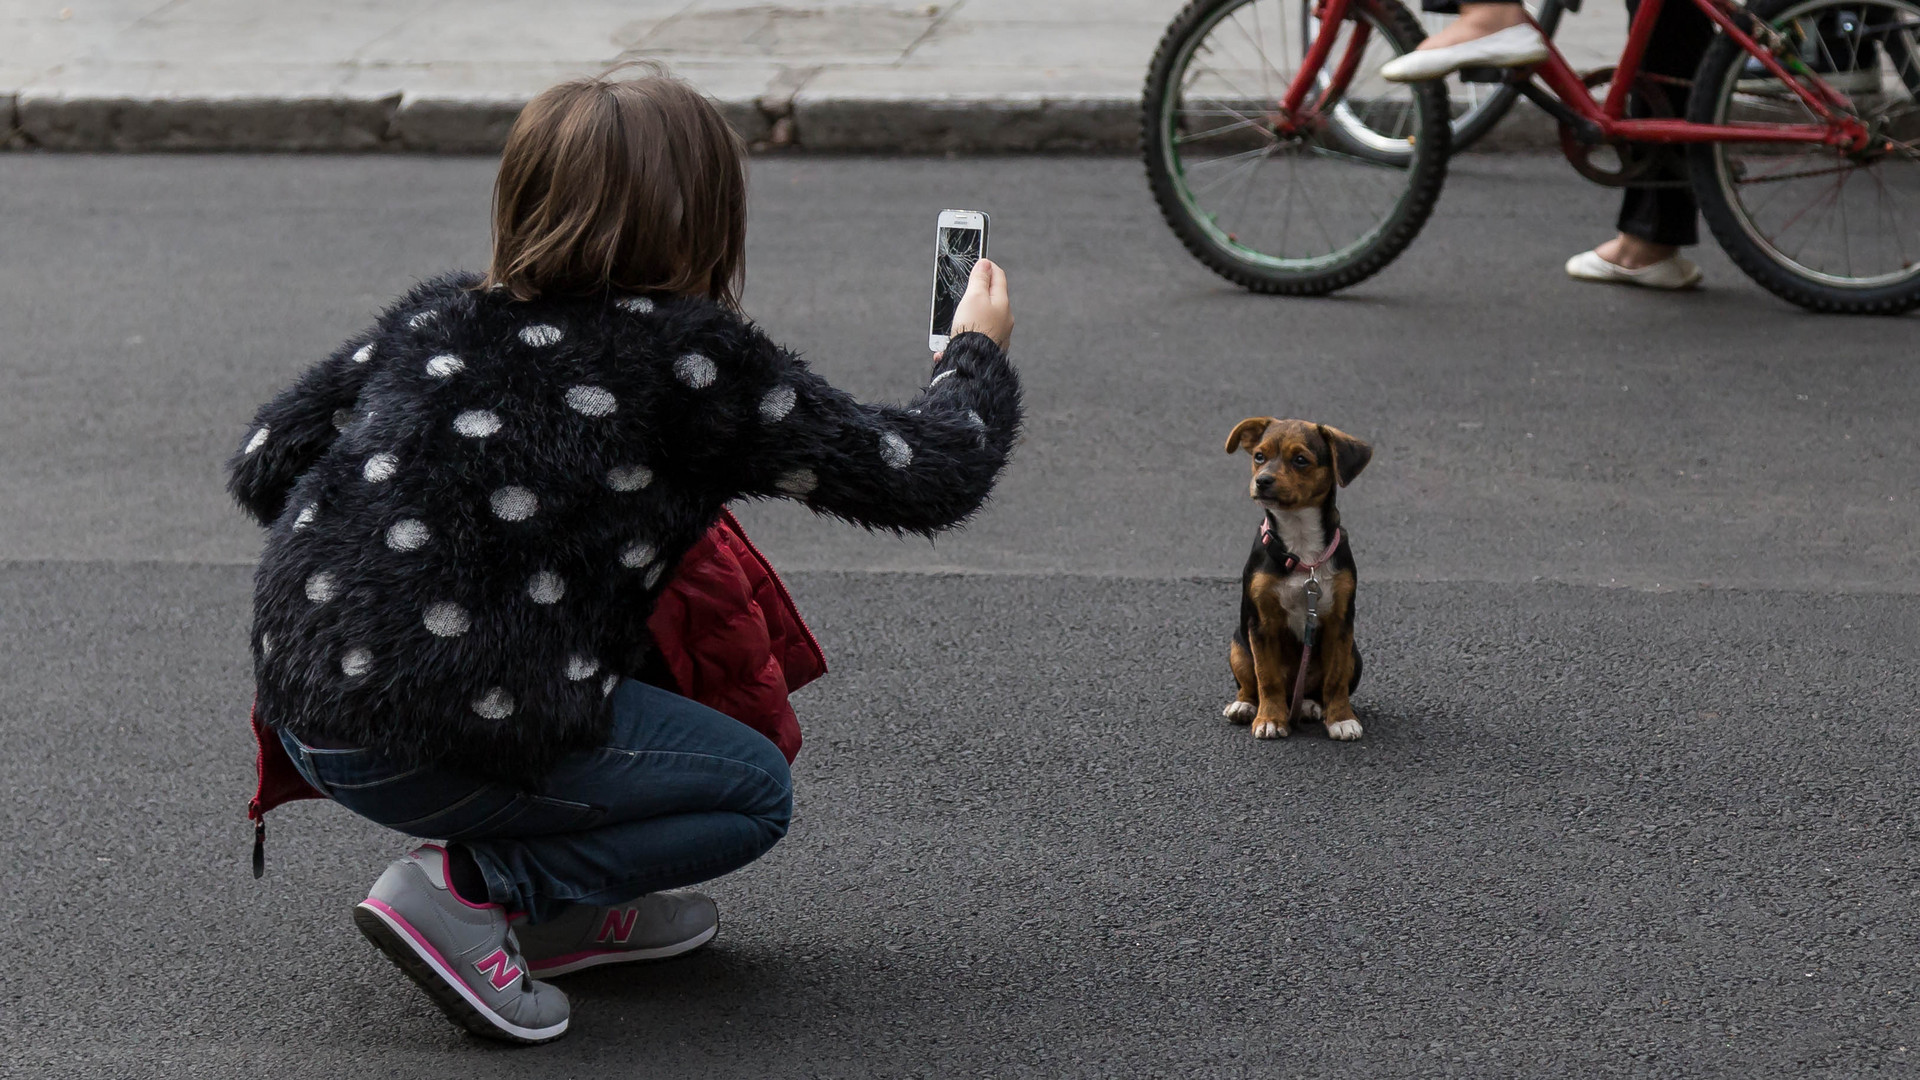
[1311, 710]
[1269, 729]
[1240, 712]
[1344, 730]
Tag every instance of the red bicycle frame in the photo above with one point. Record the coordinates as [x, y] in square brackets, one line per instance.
[1331, 14]
[1609, 118]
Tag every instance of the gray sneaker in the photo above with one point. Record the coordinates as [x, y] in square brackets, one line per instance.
[654, 927]
[463, 955]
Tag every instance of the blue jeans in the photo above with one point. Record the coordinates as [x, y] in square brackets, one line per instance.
[678, 794]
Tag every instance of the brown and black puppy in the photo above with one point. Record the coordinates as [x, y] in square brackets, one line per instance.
[1297, 468]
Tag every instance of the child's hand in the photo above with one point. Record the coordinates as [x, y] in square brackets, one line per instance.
[986, 307]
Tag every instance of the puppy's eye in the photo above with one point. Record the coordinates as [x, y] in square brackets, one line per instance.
[1259, 458]
[1301, 461]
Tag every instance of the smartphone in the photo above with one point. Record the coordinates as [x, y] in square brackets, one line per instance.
[960, 240]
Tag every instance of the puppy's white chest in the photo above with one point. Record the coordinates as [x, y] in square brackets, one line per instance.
[1300, 531]
[1291, 592]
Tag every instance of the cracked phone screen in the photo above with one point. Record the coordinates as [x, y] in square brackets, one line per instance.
[954, 254]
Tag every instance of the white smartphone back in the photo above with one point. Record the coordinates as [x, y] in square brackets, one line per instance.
[960, 240]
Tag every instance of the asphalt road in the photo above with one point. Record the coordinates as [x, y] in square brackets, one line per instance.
[1639, 606]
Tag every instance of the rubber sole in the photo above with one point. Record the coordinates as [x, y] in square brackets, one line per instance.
[573, 962]
[398, 945]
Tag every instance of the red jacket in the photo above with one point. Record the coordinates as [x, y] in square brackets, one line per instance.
[725, 626]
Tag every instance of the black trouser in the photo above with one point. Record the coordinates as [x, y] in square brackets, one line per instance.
[1660, 215]
[1667, 215]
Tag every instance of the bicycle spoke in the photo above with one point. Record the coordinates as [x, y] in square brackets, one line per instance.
[1896, 225]
[1259, 48]
[1182, 140]
[1254, 155]
[1326, 152]
[1840, 201]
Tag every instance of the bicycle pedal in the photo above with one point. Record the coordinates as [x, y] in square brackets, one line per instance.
[1483, 74]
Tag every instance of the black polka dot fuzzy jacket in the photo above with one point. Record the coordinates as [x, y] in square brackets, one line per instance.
[472, 507]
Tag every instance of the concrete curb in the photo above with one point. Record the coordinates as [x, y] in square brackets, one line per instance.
[404, 124]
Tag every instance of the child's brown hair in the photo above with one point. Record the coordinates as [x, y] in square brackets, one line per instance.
[636, 185]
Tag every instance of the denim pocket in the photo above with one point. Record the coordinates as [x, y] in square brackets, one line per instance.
[448, 811]
[535, 815]
[351, 769]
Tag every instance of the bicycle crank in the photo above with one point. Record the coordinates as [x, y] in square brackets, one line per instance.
[1616, 164]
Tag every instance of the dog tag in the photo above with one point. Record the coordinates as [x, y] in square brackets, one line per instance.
[1312, 591]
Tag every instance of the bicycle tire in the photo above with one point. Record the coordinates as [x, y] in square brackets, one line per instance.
[1712, 83]
[1429, 168]
[1470, 127]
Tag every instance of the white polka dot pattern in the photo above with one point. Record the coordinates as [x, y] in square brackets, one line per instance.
[258, 440]
[476, 423]
[636, 555]
[266, 646]
[307, 514]
[629, 477]
[540, 335]
[895, 451]
[695, 370]
[639, 305]
[974, 419]
[581, 667]
[445, 366]
[495, 704]
[546, 587]
[607, 684]
[408, 534]
[363, 354]
[798, 482]
[777, 404]
[322, 587]
[356, 663]
[447, 619]
[937, 378]
[380, 467]
[591, 401]
[513, 503]
[421, 319]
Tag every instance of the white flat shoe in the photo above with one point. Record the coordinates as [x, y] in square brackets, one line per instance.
[1674, 273]
[1516, 46]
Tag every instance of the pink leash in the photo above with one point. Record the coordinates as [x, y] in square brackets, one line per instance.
[1313, 611]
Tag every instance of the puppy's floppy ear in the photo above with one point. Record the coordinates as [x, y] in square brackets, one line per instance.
[1350, 455]
[1246, 434]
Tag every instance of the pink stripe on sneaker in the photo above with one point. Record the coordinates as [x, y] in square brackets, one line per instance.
[445, 970]
[567, 958]
[406, 927]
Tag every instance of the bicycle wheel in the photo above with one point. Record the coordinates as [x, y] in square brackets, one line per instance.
[1295, 213]
[1818, 226]
[1477, 106]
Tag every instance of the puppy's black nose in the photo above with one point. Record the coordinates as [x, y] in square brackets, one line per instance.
[1263, 483]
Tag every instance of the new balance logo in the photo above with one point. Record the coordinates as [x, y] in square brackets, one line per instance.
[619, 925]
[499, 969]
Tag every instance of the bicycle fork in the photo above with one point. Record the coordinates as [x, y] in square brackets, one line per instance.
[1297, 117]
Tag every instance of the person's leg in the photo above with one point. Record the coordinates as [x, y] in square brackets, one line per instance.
[1656, 222]
[1478, 18]
[1488, 33]
[679, 794]
[451, 941]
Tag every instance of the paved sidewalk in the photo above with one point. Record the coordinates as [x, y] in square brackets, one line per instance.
[449, 75]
